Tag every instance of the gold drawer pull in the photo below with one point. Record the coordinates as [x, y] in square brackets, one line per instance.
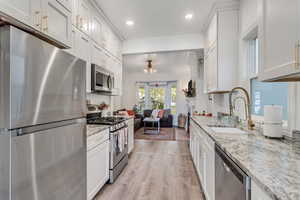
[45, 18]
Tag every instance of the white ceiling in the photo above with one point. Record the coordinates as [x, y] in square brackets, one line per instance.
[156, 17]
[166, 62]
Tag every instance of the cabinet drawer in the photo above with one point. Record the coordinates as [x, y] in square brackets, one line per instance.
[97, 139]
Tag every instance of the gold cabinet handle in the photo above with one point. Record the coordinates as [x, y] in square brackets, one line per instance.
[37, 20]
[45, 19]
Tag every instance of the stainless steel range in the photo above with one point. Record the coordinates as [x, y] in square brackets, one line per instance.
[118, 142]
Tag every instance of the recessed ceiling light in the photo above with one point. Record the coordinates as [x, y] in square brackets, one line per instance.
[189, 16]
[129, 23]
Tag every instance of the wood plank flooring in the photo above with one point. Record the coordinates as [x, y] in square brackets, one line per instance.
[157, 170]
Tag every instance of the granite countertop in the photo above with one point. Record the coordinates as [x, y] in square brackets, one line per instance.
[94, 129]
[273, 164]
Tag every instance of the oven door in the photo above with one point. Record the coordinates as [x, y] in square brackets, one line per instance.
[118, 146]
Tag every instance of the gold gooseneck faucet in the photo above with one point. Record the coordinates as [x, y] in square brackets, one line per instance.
[247, 103]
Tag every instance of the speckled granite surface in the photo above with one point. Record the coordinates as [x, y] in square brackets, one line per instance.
[273, 164]
[94, 129]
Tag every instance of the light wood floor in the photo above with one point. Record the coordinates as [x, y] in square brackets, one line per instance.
[157, 170]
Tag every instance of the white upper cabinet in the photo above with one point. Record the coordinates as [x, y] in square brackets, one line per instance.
[83, 16]
[19, 9]
[82, 50]
[280, 37]
[96, 29]
[97, 55]
[221, 52]
[212, 32]
[211, 69]
[56, 21]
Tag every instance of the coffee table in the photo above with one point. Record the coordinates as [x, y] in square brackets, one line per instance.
[153, 129]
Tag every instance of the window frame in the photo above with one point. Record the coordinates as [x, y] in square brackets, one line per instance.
[253, 67]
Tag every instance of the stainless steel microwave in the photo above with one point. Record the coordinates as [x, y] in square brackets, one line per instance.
[102, 80]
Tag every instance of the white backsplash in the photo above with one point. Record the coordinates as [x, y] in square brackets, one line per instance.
[98, 99]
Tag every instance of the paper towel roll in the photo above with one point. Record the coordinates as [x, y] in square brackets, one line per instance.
[273, 114]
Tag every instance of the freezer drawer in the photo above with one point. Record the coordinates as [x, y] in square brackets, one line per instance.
[39, 83]
[49, 164]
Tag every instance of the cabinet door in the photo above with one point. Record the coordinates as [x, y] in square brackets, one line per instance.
[210, 173]
[212, 70]
[19, 9]
[119, 76]
[75, 12]
[73, 48]
[56, 21]
[97, 168]
[83, 51]
[212, 32]
[280, 38]
[97, 55]
[96, 29]
[83, 17]
[130, 135]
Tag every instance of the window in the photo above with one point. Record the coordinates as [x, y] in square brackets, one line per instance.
[253, 56]
[157, 96]
[268, 94]
[263, 93]
[173, 99]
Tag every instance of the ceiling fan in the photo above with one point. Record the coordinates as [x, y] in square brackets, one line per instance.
[149, 69]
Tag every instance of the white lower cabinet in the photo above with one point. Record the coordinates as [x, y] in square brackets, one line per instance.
[202, 149]
[130, 135]
[97, 163]
[257, 193]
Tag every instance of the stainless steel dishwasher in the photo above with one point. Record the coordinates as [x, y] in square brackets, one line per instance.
[232, 183]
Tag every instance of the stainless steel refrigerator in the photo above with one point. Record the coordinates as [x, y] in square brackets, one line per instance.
[42, 120]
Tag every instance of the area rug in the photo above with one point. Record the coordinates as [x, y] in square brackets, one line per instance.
[165, 134]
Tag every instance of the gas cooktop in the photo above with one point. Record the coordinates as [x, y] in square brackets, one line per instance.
[106, 120]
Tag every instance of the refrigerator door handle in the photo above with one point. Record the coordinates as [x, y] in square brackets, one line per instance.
[36, 128]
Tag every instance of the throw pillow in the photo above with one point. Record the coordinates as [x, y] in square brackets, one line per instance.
[161, 114]
[154, 113]
[167, 112]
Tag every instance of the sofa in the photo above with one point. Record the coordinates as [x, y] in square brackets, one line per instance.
[165, 122]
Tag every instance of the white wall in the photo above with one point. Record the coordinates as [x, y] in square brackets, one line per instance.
[164, 43]
[98, 99]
